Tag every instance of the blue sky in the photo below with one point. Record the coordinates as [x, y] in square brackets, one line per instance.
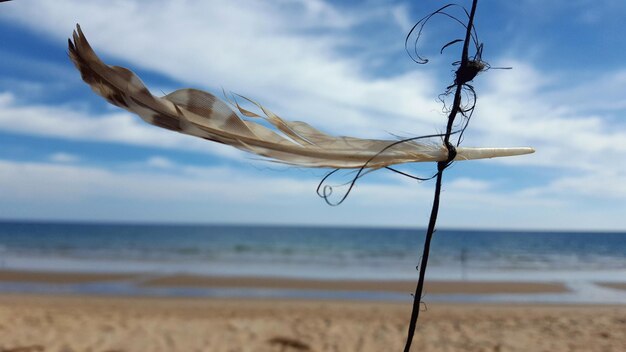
[65, 154]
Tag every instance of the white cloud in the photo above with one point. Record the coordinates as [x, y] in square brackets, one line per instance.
[283, 56]
[602, 185]
[49, 189]
[291, 56]
[222, 194]
[61, 157]
[523, 106]
[71, 122]
[401, 17]
[468, 184]
[160, 162]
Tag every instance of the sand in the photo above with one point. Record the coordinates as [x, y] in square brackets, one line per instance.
[30, 323]
[432, 287]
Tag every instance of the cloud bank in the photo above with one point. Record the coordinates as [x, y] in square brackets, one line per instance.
[334, 66]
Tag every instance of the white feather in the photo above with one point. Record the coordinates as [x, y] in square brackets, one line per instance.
[203, 115]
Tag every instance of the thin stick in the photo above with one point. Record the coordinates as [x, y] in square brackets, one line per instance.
[441, 166]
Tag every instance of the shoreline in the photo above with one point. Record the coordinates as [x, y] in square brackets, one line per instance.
[163, 285]
[151, 280]
[400, 286]
[614, 285]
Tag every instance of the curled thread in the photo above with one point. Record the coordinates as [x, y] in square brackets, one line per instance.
[418, 28]
[467, 70]
[325, 191]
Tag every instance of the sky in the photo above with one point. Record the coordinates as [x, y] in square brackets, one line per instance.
[68, 155]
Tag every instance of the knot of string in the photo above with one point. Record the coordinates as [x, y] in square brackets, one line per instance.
[442, 165]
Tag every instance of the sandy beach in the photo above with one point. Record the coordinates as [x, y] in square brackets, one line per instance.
[75, 323]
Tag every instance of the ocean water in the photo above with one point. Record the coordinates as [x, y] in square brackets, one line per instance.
[578, 259]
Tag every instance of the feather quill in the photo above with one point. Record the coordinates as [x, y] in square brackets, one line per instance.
[201, 114]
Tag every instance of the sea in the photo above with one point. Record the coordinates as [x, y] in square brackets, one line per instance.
[583, 261]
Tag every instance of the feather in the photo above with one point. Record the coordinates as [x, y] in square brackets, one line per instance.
[201, 114]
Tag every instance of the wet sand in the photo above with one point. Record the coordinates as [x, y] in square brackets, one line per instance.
[432, 287]
[31, 323]
[59, 277]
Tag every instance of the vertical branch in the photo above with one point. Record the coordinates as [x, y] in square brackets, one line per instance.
[441, 166]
